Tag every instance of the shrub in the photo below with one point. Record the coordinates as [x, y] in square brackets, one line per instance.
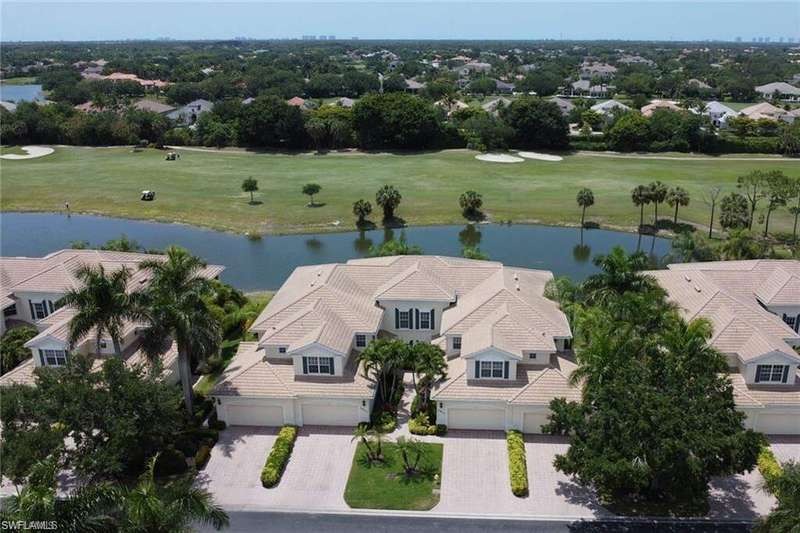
[517, 466]
[202, 456]
[385, 422]
[170, 462]
[217, 425]
[769, 467]
[278, 456]
[421, 425]
[12, 347]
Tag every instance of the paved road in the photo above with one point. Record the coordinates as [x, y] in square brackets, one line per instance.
[280, 522]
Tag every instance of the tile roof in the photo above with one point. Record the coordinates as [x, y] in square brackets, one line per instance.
[765, 395]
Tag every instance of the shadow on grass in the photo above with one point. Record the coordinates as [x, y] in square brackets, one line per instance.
[366, 225]
[315, 205]
[255, 202]
[385, 462]
[394, 222]
[422, 475]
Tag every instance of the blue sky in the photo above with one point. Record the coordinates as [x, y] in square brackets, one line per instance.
[578, 19]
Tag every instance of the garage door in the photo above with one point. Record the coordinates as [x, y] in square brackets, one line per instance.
[329, 415]
[254, 415]
[532, 422]
[476, 419]
[786, 424]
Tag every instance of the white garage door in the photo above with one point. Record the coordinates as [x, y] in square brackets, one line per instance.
[785, 424]
[532, 422]
[254, 415]
[329, 415]
[476, 419]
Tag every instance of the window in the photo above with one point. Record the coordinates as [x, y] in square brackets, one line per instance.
[11, 310]
[281, 349]
[772, 373]
[361, 341]
[53, 357]
[424, 320]
[103, 344]
[790, 320]
[456, 343]
[404, 321]
[532, 355]
[318, 365]
[39, 310]
[491, 369]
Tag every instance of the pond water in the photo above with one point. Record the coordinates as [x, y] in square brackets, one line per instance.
[265, 264]
[21, 93]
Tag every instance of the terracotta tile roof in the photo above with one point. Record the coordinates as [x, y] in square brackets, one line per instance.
[251, 374]
[501, 330]
[765, 395]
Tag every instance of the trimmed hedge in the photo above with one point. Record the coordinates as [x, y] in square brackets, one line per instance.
[769, 467]
[517, 465]
[202, 456]
[420, 425]
[279, 456]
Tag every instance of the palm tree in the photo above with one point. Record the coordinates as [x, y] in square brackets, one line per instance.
[383, 360]
[361, 209]
[658, 193]
[640, 196]
[585, 199]
[677, 197]
[430, 368]
[166, 507]
[471, 203]
[372, 440]
[388, 198]
[412, 451]
[785, 516]
[619, 273]
[102, 304]
[175, 309]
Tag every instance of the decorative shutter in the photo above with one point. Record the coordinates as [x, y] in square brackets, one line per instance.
[332, 372]
[50, 303]
[505, 369]
[432, 326]
[758, 373]
[305, 366]
[41, 356]
[785, 374]
[396, 318]
[33, 315]
[416, 320]
[477, 369]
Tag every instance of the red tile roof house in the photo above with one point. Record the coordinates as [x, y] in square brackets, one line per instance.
[754, 307]
[507, 346]
[30, 290]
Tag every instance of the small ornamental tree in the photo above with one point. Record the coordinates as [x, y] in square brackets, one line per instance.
[471, 203]
[734, 213]
[250, 185]
[585, 198]
[389, 199]
[310, 189]
[362, 209]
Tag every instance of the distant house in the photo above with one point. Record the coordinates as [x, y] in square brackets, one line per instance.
[791, 116]
[609, 106]
[636, 60]
[530, 67]
[764, 110]
[249, 100]
[413, 86]
[503, 87]
[121, 76]
[699, 84]
[563, 104]
[602, 70]
[779, 89]
[90, 107]
[296, 101]
[451, 106]
[585, 88]
[718, 113]
[153, 106]
[494, 106]
[189, 113]
[8, 106]
[475, 66]
[651, 108]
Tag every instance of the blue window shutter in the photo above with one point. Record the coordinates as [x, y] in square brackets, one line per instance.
[785, 374]
[416, 320]
[505, 369]
[332, 372]
[396, 318]
[41, 356]
[50, 303]
[33, 315]
[758, 368]
[432, 326]
[477, 369]
[305, 366]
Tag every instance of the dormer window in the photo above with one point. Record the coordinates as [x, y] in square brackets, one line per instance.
[361, 341]
[404, 320]
[456, 343]
[772, 373]
[491, 369]
[53, 357]
[282, 349]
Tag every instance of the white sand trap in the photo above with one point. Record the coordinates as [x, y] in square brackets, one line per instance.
[540, 157]
[499, 158]
[32, 153]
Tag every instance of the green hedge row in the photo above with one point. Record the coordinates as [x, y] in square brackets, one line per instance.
[769, 466]
[517, 465]
[278, 456]
[420, 425]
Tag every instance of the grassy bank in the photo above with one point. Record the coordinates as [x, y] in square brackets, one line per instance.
[204, 188]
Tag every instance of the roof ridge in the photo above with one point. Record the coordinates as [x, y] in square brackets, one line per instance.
[451, 381]
[529, 385]
[241, 370]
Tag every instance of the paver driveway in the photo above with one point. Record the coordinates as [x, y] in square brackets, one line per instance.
[475, 478]
[314, 479]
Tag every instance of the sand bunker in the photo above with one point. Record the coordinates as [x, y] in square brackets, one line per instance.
[540, 157]
[499, 158]
[32, 153]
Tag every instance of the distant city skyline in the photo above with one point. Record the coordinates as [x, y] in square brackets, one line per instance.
[744, 21]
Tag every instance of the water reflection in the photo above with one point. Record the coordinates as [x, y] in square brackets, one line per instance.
[581, 252]
[470, 236]
[362, 243]
[315, 245]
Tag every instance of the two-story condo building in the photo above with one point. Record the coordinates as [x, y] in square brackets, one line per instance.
[30, 293]
[754, 307]
[507, 346]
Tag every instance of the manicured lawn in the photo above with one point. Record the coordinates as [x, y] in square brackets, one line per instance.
[385, 486]
[204, 188]
[22, 80]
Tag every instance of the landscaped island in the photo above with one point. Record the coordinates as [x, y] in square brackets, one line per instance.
[204, 188]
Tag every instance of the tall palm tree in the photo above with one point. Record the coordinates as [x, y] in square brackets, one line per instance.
[640, 196]
[175, 309]
[430, 368]
[585, 198]
[619, 273]
[658, 193]
[677, 197]
[102, 303]
[166, 507]
[785, 516]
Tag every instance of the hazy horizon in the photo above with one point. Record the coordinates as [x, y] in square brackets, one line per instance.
[439, 20]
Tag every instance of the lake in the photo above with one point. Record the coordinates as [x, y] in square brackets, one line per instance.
[265, 264]
[21, 93]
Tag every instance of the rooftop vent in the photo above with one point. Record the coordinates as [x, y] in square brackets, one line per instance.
[687, 277]
[517, 286]
[516, 276]
[697, 288]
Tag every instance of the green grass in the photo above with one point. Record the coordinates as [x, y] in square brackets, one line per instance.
[22, 80]
[205, 188]
[385, 486]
